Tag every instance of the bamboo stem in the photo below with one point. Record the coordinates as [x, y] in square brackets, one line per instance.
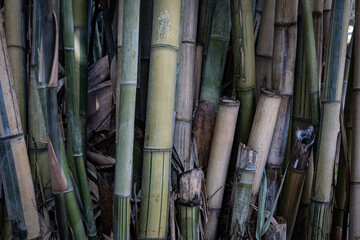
[14, 167]
[257, 17]
[318, 16]
[331, 102]
[126, 125]
[159, 120]
[219, 162]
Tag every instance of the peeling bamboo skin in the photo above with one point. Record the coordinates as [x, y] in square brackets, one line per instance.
[264, 47]
[262, 131]
[219, 161]
[14, 167]
[284, 51]
[15, 39]
[185, 85]
[159, 120]
[216, 55]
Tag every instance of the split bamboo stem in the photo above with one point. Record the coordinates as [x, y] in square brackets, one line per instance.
[68, 29]
[219, 161]
[16, 43]
[185, 84]
[126, 124]
[188, 205]
[354, 208]
[216, 55]
[293, 186]
[331, 103]
[242, 190]
[244, 65]
[262, 132]
[154, 209]
[14, 167]
[264, 47]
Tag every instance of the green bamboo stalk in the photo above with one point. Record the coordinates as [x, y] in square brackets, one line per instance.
[257, 17]
[311, 60]
[326, 26]
[14, 165]
[293, 186]
[16, 41]
[185, 85]
[68, 29]
[216, 56]
[125, 131]
[159, 120]
[331, 103]
[242, 190]
[354, 209]
[317, 13]
[244, 65]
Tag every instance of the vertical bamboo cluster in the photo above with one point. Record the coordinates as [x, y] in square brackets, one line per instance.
[354, 207]
[219, 161]
[14, 167]
[126, 125]
[185, 85]
[331, 103]
[15, 39]
[244, 64]
[153, 220]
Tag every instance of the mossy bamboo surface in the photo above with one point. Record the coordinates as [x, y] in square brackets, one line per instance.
[185, 84]
[242, 190]
[244, 65]
[68, 30]
[329, 123]
[153, 220]
[188, 205]
[126, 124]
[262, 132]
[311, 59]
[215, 59]
[264, 47]
[15, 38]
[293, 186]
[354, 207]
[219, 161]
[14, 167]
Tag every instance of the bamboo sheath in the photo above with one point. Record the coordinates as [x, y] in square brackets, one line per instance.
[262, 132]
[242, 190]
[264, 47]
[219, 161]
[126, 125]
[15, 38]
[14, 167]
[244, 65]
[216, 55]
[293, 186]
[354, 208]
[159, 120]
[331, 101]
[185, 84]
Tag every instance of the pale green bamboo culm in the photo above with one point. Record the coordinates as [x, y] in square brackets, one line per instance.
[126, 124]
[159, 120]
[74, 119]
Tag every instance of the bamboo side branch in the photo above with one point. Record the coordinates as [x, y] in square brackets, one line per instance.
[219, 161]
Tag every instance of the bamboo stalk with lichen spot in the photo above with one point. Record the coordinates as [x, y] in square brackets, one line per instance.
[244, 65]
[219, 161]
[328, 131]
[153, 220]
[185, 84]
[16, 43]
[293, 186]
[216, 55]
[14, 167]
[264, 47]
[68, 35]
[126, 125]
[354, 208]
